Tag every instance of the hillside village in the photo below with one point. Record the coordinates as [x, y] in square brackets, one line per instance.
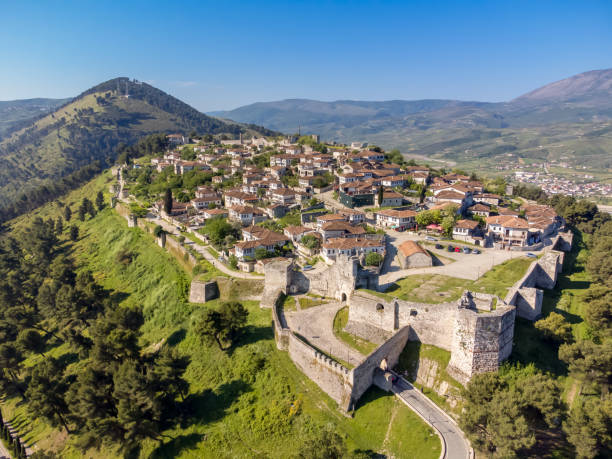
[257, 199]
[347, 229]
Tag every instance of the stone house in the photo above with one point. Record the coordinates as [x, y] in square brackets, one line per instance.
[235, 197]
[340, 229]
[296, 233]
[479, 209]
[246, 215]
[353, 216]
[204, 203]
[466, 230]
[283, 196]
[391, 199]
[488, 198]
[349, 247]
[399, 219]
[508, 230]
[246, 249]
[412, 255]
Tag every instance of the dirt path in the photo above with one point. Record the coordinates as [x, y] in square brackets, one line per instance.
[385, 444]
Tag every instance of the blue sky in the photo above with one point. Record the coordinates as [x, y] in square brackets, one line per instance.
[223, 54]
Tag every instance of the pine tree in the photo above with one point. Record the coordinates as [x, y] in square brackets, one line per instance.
[74, 232]
[67, 213]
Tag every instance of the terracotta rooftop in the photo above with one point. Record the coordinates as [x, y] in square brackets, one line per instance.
[409, 248]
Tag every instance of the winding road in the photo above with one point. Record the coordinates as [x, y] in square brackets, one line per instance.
[454, 443]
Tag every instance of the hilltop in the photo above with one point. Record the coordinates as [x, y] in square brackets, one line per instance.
[82, 136]
[567, 119]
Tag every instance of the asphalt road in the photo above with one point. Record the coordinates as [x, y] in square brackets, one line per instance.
[455, 444]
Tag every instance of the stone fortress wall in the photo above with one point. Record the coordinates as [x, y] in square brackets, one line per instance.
[338, 280]
[478, 341]
[343, 385]
[478, 329]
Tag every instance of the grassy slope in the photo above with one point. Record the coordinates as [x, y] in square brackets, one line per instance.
[566, 299]
[249, 402]
[359, 344]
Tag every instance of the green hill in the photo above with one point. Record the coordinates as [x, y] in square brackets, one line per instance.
[82, 136]
[18, 113]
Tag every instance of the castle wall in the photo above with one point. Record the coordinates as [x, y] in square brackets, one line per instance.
[541, 273]
[340, 278]
[363, 374]
[332, 377]
[374, 318]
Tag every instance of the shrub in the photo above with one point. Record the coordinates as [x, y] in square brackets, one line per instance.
[373, 259]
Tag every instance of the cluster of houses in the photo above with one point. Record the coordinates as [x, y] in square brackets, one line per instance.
[361, 178]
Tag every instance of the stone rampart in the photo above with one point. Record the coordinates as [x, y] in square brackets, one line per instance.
[563, 241]
[375, 318]
[338, 280]
[332, 377]
[479, 339]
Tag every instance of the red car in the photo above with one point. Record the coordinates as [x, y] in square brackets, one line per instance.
[457, 249]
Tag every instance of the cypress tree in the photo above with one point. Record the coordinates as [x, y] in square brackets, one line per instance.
[168, 201]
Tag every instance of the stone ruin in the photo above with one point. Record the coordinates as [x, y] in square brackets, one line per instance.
[338, 280]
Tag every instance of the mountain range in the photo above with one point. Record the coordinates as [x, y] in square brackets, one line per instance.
[569, 118]
[62, 137]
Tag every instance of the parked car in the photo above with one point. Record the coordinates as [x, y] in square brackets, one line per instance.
[467, 250]
[476, 251]
[399, 229]
[458, 249]
[531, 255]
[439, 246]
[307, 268]
[430, 238]
[450, 248]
